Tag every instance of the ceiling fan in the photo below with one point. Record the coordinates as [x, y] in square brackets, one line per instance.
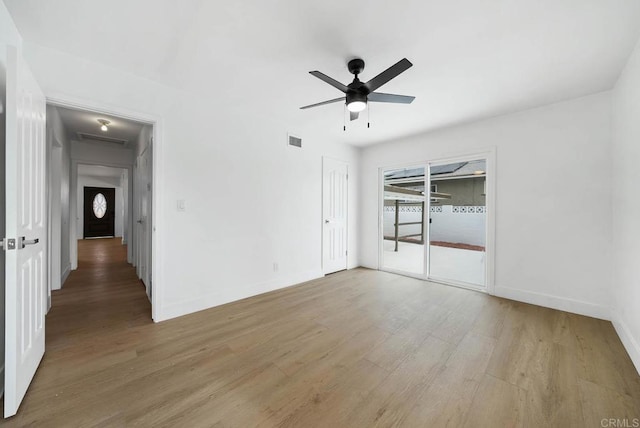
[359, 93]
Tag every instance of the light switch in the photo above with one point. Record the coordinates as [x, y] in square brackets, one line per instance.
[181, 205]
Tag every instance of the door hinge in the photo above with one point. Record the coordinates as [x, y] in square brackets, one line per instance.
[10, 244]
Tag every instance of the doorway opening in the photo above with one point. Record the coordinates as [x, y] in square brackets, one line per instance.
[436, 220]
[98, 190]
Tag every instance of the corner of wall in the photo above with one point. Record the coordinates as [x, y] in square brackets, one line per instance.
[65, 275]
[628, 341]
[554, 302]
[220, 298]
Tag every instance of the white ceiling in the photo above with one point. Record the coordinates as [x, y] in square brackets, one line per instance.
[472, 58]
[100, 171]
[87, 122]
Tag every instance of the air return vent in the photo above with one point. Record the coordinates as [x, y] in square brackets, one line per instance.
[101, 138]
[295, 141]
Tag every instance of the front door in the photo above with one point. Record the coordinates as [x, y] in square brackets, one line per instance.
[26, 234]
[334, 210]
[99, 212]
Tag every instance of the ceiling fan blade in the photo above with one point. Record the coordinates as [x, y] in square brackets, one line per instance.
[353, 115]
[333, 82]
[388, 74]
[379, 97]
[335, 100]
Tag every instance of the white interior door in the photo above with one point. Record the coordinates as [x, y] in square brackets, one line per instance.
[334, 215]
[144, 221]
[25, 240]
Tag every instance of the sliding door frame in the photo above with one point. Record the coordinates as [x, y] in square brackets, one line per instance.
[489, 155]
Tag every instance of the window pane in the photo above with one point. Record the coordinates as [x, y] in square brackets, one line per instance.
[99, 205]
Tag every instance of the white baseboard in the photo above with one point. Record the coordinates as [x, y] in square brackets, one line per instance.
[629, 342]
[555, 302]
[227, 296]
[65, 274]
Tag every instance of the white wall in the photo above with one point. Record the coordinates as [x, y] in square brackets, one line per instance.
[459, 227]
[447, 225]
[626, 206]
[91, 181]
[144, 140]
[553, 219]
[65, 209]
[124, 185]
[59, 197]
[216, 159]
[100, 154]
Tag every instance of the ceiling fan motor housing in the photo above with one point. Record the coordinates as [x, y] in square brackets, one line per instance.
[355, 66]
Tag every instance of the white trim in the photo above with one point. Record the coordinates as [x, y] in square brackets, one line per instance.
[158, 186]
[459, 284]
[628, 341]
[555, 302]
[234, 294]
[65, 275]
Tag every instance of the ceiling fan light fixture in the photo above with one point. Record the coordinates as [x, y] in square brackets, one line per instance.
[356, 106]
[103, 123]
[356, 101]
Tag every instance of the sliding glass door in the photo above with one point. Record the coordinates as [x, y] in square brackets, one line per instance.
[458, 217]
[434, 221]
[403, 220]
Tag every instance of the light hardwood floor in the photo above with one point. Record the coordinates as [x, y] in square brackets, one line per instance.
[355, 349]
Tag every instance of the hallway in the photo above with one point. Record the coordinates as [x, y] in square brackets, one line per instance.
[102, 296]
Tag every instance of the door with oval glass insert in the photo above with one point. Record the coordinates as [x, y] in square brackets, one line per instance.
[99, 212]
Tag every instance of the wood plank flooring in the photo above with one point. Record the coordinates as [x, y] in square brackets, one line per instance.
[359, 348]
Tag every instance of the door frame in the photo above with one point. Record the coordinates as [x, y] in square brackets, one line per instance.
[158, 174]
[73, 207]
[490, 155]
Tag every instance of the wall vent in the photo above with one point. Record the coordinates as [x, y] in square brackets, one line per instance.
[294, 141]
[93, 137]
